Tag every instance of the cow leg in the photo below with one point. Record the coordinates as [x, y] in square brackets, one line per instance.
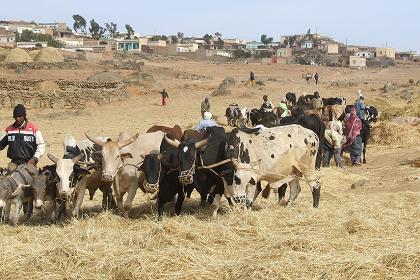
[160, 203]
[282, 193]
[179, 202]
[294, 191]
[229, 200]
[6, 213]
[364, 152]
[216, 204]
[316, 192]
[129, 200]
[81, 189]
[266, 191]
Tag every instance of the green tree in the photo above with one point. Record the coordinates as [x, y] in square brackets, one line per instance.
[112, 29]
[220, 43]
[207, 38]
[96, 30]
[174, 39]
[79, 23]
[266, 40]
[241, 54]
[130, 30]
[218, 34]
[29, 36]
[180, 35]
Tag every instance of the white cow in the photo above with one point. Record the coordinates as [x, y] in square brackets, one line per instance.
[121, 160]
[277, 155]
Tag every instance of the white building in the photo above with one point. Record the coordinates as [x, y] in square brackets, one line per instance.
[182, 48]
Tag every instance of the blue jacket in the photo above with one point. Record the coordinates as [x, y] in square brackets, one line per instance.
[361, 107]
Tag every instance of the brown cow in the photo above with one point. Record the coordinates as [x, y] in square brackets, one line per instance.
[175, 132]
[334, 111]
[193, 134]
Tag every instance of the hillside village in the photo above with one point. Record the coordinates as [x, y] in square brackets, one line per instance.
[100, 43]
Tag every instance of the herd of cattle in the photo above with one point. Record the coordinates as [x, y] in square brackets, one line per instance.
[166, 162]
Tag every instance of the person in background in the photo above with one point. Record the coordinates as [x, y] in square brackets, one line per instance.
[317, 102]
[361, 106]
[332, 146]
[205, 106]
[316, 77]
[283, 110]
[205, 122]
[252, 78]
[353, 144]
[165, 97]
[267, 106]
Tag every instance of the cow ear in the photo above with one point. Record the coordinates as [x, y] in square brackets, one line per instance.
[126, 155]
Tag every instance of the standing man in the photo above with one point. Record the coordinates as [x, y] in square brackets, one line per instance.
[25, 141]
[316, 76]
[205, 106]
[165, 97]
[205, 122]
[317, 102]
[252, 78]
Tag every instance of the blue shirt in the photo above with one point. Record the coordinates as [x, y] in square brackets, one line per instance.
[360, 107]
[203, 124]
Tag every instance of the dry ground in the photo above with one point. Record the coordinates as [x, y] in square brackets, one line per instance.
[372, 232]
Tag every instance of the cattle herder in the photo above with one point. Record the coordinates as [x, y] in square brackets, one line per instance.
[205, 106]
[26, 146]
[165, 97]
[205, 122]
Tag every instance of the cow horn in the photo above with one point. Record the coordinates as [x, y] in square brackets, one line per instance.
[175, 143]
[201, 143]
[77, 158]
[52, 158]
[128, 141]
[96, 141]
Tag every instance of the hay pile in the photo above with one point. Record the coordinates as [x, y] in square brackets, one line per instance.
[352, 236]
[15, 56]
[388, 133]
[224, 86]
[49, 55]
[47, 86]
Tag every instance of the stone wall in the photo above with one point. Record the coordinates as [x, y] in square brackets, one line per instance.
[43, 65]
[72, 94]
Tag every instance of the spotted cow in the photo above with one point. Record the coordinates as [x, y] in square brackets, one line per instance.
[277, 155]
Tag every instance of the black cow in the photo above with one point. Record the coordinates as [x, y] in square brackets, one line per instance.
[268, 119]
[371, 114]
[166, 182]
[193, 154]
[232, 114]
[334, 101]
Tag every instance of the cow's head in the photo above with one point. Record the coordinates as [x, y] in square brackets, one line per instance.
[112, 155]
[7, 187]
[187, 151]
[67, 172]
[152, 169]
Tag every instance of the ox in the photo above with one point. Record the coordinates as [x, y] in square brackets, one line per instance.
[277, 155]
[232, 114]
[78, 170]
[121, 160]
[194, 156]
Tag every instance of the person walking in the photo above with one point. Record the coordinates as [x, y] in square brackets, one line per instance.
[165, 97]
[316, 77]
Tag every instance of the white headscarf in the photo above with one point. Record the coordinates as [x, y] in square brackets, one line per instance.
[207, 115]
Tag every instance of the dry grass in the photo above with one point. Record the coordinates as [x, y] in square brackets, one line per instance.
[352, 236]
[387, 133]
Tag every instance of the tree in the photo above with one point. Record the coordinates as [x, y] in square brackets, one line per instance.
[218, 34]
[263, 38]
[130, 30]
[207, 38]
[220, 43]
[174, 39]
[241, 53]
[96, 30]
[112, 29]
[266, 40]
[30, 36]
[180, 35]
[79, 23]
[309, 32]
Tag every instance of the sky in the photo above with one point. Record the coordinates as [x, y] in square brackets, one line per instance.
[360, 22]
